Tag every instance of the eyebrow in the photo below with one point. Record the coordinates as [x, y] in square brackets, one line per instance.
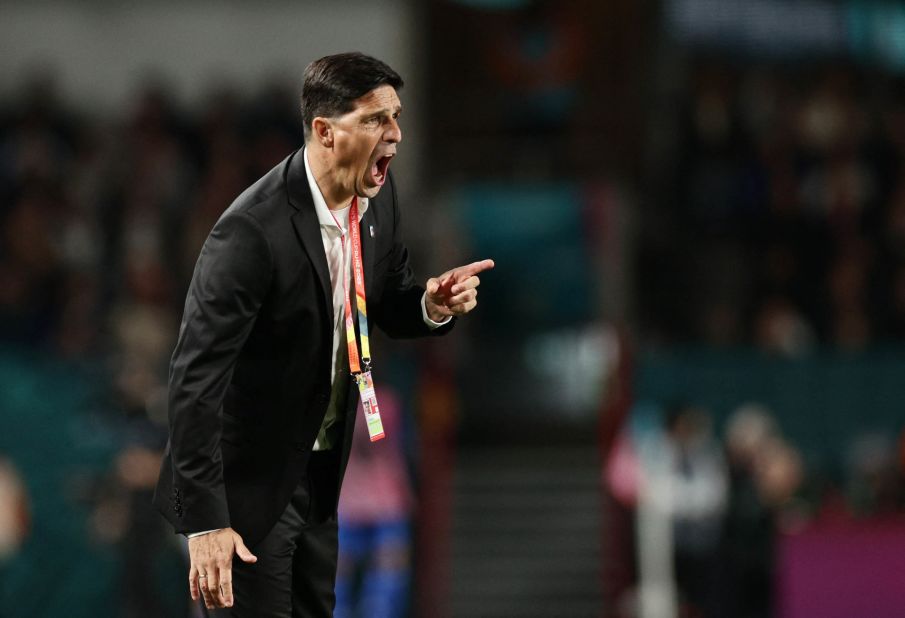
[383, 111]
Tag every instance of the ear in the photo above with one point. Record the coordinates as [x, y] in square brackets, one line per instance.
[322, 131]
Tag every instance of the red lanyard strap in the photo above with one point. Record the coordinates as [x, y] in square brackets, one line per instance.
[361, 303]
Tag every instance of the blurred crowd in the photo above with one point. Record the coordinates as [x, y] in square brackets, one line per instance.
[782, 210]
[103, 216]
[101, 220]
[727, 503]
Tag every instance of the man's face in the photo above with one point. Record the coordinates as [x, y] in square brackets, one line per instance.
[364, 141]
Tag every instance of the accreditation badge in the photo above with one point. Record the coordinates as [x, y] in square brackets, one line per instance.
[369, 403]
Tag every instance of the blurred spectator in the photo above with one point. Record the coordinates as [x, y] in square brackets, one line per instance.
[765, 473]
[875, 484]
[31, 275]
[782, 329]
[699, 487]
[375, 527]
[122, 518]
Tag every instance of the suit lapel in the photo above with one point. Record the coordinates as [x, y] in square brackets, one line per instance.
[307, 227]
[367, 245]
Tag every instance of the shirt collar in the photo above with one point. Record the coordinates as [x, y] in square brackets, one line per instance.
[320, 204]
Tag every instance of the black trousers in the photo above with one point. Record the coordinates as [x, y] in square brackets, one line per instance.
[295, 574]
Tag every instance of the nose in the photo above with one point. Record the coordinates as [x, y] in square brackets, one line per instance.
[393, 133]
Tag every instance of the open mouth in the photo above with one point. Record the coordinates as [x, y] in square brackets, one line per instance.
[379, 169]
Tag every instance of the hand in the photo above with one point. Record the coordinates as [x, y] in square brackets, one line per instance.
[211, 573]
[455, 292]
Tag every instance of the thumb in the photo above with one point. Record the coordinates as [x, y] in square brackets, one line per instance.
[433, 286]
[243, 552]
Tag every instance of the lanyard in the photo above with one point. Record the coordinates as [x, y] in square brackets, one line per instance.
[362, 378]
[361, 304]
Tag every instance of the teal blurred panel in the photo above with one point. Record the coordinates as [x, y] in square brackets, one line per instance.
[535, 233]
[877, 32]
[822, 402]
[41, 413]
[54, 430]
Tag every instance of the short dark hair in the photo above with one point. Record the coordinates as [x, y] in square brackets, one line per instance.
[333, 83]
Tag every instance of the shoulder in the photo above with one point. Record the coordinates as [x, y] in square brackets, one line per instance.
[265, 204]
[263, 193]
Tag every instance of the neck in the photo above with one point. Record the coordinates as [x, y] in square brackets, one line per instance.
[326, 177]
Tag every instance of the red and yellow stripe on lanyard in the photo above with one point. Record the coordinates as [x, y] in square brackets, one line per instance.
[361, 302]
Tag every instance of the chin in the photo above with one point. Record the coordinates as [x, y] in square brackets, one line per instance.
[368, 192]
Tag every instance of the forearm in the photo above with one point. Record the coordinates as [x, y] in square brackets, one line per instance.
[402, 314]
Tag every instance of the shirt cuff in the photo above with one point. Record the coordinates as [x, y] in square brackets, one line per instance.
[190, 535]
[430, 323]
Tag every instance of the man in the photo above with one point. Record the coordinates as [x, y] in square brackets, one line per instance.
[261, 394]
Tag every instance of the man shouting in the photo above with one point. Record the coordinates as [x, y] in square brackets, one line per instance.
[273, 351]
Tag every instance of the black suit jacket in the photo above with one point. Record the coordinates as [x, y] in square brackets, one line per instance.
[250, 376]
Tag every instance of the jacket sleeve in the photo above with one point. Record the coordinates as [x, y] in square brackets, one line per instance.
[231, 279]
[398, 311]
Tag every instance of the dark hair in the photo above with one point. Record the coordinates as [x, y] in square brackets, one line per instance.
[333, 83]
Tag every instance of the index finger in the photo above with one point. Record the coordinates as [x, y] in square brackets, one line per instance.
[464, 272]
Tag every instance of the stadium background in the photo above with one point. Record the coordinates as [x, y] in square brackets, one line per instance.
[682, 392]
